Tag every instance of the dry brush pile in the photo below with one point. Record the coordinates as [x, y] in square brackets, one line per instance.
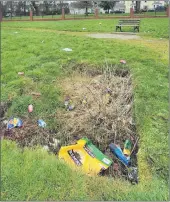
[103, 110]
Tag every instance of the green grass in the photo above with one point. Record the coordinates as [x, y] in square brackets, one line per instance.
[33, 175]
[148, 27]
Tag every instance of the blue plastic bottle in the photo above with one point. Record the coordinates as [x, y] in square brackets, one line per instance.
[118, 152]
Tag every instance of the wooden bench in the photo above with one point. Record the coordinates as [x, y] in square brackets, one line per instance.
[128, 23]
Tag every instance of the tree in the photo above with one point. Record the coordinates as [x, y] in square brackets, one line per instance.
[34, 6]
[137, 6]
[82, 5]
[107, 5]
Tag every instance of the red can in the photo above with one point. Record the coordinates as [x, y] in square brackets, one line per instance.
[30, 108]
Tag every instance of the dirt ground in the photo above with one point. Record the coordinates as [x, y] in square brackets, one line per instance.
[114, 36]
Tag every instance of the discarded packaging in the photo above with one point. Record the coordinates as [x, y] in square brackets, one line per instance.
[30, 108]
[36, 94]
[86, 155]
[41, 123]
[67, 49]
[127, 148]
[14, 123]
[84, 101]
[123, 61]
[21, 73]
[133, 174]
[68, 104]
[115, 149]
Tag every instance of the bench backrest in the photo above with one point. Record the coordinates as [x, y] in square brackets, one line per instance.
[129, 22]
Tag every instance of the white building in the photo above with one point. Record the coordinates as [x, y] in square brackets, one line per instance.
[148, 5]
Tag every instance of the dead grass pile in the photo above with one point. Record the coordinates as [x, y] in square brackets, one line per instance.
[103, 110]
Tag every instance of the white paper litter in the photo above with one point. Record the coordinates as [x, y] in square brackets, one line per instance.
[67, 49]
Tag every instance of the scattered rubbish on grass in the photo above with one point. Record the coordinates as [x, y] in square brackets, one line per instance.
[21, 73]
[101, 123]
[15, 32]
[41, 123]
[100, 23]
[115, 149]
[161, 38]
[14, 123]
[67, 49]
[86, 155]
[123, 61]
[30, 108]
[133, 174]
[36, 94]
[83, 28]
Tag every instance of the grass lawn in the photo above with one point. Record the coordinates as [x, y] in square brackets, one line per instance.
[36, 49]
[148, 27]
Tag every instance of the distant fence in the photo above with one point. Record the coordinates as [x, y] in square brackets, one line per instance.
[56, 10]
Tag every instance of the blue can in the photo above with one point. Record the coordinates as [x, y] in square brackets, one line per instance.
[14, 123]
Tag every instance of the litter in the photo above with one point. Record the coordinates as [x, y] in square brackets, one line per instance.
[55, 144]
[21, 73]
[46, 148]
[133, 174]
[67, 49]
[83, 28]
[36, 94]
[115, 149]
[100, 23]
[84, 101]
[42, 41]
[123, 61]
[30, 108]
[68, 104]
[14, 123]
[15, 32]
[41, 123]
[85, 155]
[127, 148]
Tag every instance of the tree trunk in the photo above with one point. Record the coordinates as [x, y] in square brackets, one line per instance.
[86, 11]
[137, 6]
[24, 8]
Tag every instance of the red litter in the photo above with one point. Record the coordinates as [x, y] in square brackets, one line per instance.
[123, 61]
